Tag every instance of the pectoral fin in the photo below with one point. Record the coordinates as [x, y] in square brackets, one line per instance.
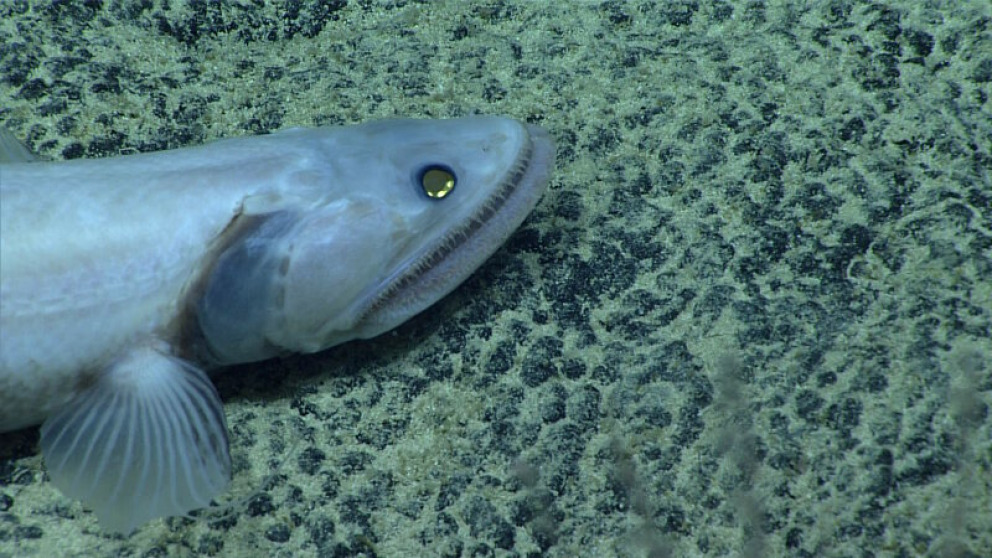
[13, 151]
[147, 439]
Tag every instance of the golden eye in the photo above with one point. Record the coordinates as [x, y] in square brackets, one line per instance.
[437, 181]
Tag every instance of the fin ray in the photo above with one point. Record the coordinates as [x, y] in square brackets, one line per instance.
[147, 439]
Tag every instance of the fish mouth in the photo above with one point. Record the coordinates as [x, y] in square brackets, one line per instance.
[441, 266]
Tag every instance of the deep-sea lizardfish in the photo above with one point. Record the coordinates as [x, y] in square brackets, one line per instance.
[122, 280]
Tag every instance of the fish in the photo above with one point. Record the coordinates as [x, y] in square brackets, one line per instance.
[126, 282]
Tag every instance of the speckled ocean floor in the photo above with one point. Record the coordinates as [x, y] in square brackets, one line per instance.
[751, 317]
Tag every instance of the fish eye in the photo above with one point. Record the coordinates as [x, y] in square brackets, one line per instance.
[437, 181]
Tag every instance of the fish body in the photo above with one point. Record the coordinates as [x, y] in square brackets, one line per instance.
[123, 280]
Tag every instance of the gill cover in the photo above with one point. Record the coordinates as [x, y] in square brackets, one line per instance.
[293, 281]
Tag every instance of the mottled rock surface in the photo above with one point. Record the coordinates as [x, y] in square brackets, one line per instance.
[751, 317]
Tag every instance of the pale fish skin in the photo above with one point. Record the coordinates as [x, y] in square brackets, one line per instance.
[122, 280]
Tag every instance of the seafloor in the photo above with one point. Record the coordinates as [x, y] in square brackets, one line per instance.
[751, 317]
